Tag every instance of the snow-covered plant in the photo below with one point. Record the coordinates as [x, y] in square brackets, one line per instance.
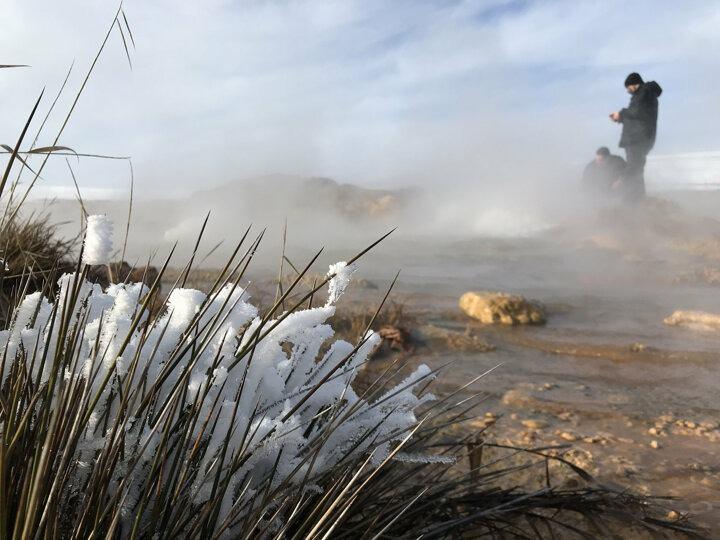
[207, 397]
[98, 240]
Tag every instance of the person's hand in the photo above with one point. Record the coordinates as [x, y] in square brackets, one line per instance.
[615, 116]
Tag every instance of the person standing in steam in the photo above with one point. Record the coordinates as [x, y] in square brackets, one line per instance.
[639, 122]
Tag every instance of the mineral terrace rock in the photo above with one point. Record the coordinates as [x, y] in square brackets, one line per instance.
[501, 308]
[699, 319]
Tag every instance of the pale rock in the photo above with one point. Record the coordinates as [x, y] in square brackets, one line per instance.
[694, 319]
[533, 424]
[501, 308]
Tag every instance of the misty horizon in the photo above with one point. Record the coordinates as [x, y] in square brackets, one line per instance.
[472, 94]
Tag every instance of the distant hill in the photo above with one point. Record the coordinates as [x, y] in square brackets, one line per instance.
[294, 194]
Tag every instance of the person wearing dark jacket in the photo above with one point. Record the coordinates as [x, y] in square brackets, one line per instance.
[604, 173]
[639, 122]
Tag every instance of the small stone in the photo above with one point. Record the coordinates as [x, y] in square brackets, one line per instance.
[654, 444]
[672, 515]
[691, 425]
[533, 424]
[653, 431]
[549, 386]
[500, 308]
[697, 319]
[568, 436]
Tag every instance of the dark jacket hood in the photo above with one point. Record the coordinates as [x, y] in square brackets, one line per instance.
[653, 88]
[639, 118]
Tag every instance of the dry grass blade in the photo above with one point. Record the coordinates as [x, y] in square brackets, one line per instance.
[127, 26]
[77, 191]
[76, 154]
[183, 281]
[67, 117]
[21, 160]
[52, 149]
[130, 207]
[53, 104]
[14, 153]
[122, 35]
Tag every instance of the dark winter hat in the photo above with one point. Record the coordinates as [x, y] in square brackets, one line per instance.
[602, 151]
[633, 78]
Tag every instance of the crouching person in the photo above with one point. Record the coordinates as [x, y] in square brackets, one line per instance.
[603, 174]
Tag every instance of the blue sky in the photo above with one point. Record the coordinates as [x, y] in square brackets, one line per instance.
[367, 91]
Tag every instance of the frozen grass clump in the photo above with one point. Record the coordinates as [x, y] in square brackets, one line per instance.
[231, 402]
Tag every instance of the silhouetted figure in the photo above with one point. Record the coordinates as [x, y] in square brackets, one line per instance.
[604, 173]
[639, 122]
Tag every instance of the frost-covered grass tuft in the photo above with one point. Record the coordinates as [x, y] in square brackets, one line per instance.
[98, 240]
[208, 405]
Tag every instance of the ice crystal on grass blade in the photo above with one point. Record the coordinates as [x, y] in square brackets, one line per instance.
[232, 403]
[98, 240]
[340, 274]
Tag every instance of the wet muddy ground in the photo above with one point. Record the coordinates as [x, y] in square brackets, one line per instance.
[636, 400]
[633, 416]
